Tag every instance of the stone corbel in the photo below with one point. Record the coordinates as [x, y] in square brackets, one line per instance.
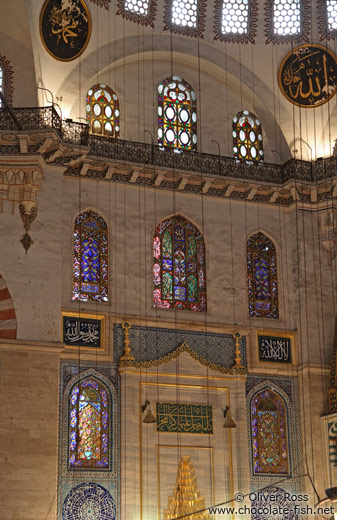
[28, 212]
[20, 185]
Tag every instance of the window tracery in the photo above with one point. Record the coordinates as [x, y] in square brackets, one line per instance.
[287, 21]
[247, 137]
[102, 109]
[185, 17]
[177, 114]
[269, 431]
[90, 258]
[327, 19]
[235, 20]
[179, 270]
[139, 11]
[262, 277]
[89, 416]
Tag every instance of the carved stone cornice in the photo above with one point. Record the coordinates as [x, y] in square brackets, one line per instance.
[311, 186]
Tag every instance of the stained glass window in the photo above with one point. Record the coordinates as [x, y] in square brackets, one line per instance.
[234, 17]
[269, 434]
[262, 277]
[177, 114]
[89, 416]
[103, 111]
[90, 259]
[179, 268]
[286, 17]
[331, 15]
[247, 137]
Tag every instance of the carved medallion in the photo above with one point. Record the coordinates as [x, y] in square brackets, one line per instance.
[89, 502]
[308, 75]
[65, 28]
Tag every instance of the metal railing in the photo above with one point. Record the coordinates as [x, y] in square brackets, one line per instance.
[146, 154]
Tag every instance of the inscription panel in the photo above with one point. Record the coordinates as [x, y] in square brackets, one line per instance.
[184, 418]
[275, 349]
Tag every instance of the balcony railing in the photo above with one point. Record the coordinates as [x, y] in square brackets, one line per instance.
[146, 154]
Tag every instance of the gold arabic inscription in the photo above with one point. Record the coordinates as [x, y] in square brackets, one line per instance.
[308, 75]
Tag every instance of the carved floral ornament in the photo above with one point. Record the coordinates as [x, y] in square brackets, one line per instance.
[21, 186]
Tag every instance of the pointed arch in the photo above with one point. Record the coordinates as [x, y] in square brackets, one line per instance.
[102, 109]
[90, 258]
[7, 313]
[89, 424]
[179, 266]
[247, 137]
[269, 430]
[262, 277]
[177, 114]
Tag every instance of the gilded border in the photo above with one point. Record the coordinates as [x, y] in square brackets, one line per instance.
[100, 317]
[184, 347]
[278, 334]
[279, 74]
[85, 43]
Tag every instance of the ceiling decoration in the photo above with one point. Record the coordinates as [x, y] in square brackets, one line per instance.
[65, 28]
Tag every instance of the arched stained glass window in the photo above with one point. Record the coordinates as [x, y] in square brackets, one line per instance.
[90, 259]
[89, 416]
[269, 434]
[247, 137]
[103, 111]
[177, 114]
[262, 277]
[179, 268]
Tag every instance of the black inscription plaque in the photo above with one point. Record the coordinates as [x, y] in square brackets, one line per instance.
[308, 75]
[65, 28]
[82, 332]
[274, 349]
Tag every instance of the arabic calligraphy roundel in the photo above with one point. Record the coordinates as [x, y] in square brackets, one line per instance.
[88, 502]
[65, 28]
[308, 75]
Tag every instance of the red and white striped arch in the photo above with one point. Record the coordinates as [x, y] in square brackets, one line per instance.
[7, 313]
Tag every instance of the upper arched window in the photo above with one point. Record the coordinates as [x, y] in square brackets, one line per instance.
[177, 114]
[247, 137]
[179, 270]
[89, 424]
[103, 111]
[90, 260]
[262, 277]
[269, 434]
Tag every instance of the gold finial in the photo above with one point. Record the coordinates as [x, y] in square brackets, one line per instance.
[127, 356]
[238, 358]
